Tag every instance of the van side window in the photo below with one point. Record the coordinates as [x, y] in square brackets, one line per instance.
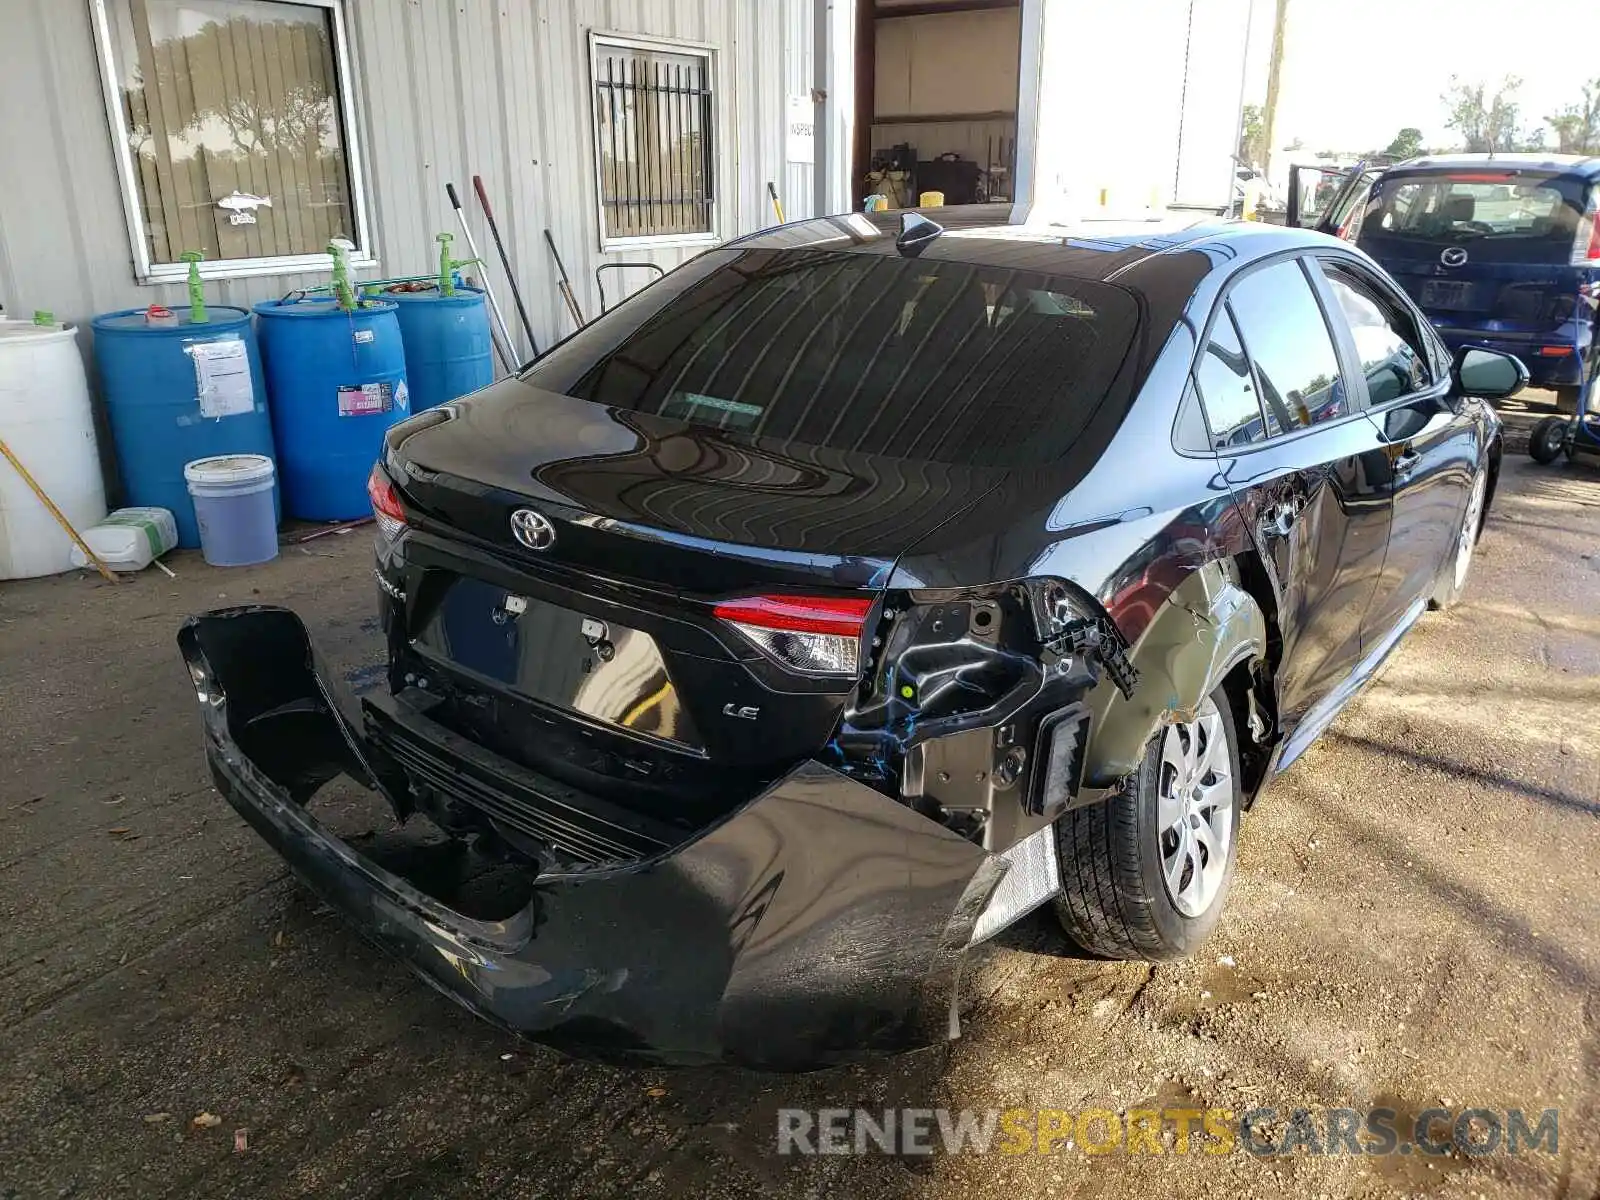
[1394, 364]
[1287, 338]
[1226, 388]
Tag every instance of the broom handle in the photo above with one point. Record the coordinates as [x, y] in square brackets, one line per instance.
[99, 564]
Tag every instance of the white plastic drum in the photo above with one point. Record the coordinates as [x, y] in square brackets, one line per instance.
[46, 421]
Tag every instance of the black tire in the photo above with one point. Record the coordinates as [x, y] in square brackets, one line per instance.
[1115, 901]
[1547, 440]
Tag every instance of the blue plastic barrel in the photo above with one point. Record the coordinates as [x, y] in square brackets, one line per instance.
[337, 382]
[447, 344]
[177, 392]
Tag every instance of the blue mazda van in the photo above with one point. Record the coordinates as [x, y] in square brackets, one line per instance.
[1499, 250]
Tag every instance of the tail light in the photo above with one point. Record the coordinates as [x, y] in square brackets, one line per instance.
[1593, 252]
[1589, 254]
[820, 635]
[386, 510]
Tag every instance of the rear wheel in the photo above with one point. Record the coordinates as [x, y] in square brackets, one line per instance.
[1448, 591]
[1145, 873]
[1546, 440]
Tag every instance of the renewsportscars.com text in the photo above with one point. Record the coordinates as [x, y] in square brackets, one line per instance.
[1434, 1132]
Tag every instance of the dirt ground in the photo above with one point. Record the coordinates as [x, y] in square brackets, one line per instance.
[1414, 923]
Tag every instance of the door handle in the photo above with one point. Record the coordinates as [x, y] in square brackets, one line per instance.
[1406, 461]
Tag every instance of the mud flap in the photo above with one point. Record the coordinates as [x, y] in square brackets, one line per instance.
[820, 923]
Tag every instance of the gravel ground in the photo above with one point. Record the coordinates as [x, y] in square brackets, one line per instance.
[1414, 923]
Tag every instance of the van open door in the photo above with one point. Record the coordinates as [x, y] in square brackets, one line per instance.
[1330, 199]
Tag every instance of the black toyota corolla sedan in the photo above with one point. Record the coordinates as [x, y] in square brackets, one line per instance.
[846, 595]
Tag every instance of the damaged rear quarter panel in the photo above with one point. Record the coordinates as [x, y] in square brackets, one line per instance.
[1207, 625]
[1163, 571]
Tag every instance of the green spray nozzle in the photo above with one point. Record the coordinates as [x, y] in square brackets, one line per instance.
[447, 265]
[197, 294]
[340, 249]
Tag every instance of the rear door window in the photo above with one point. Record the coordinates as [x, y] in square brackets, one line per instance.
[1392, 358]
[1287, 338]
[1227, 388]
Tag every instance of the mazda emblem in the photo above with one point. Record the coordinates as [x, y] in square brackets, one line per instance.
[1453, 256]
[533, 529]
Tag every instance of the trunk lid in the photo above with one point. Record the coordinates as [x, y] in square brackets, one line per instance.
[598, 659]
[636, 495]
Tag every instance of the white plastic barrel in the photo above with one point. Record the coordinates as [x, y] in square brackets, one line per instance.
[45, 420]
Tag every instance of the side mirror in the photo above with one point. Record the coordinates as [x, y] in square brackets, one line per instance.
[917, 233]
[1489, 374]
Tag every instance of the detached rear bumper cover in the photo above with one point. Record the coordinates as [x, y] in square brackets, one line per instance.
[819, 923]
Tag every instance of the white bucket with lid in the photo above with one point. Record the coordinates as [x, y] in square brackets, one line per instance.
[234, 508]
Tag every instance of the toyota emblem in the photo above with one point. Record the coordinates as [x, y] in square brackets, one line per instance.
[533, 529]
[1454, 256]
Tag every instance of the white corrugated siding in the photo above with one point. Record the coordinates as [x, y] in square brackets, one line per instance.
[447, 89]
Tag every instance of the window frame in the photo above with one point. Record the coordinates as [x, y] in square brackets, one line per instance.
[1356, 396]
[1440, 361]
[634, 41]
[1224, 311]
[148, 272]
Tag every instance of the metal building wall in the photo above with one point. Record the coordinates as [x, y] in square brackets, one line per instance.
[447, 88]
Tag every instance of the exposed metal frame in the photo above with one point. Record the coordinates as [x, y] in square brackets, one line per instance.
[148, 272]
[717, 134]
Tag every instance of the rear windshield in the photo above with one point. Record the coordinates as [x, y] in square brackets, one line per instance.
[871, 353]
[1517, 216]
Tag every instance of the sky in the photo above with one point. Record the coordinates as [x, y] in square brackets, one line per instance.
[1356, 71]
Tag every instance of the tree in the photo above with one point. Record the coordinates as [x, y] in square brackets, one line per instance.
[1488, 123]
[1252, 135]
[1577, 126]
[1407, 144]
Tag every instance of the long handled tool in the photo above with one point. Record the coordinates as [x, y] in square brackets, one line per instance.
[505, 261]
[61, 518]
[502, 341]
[564, 284]
[777, 205]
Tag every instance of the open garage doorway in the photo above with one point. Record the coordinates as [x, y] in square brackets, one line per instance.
[936, 95]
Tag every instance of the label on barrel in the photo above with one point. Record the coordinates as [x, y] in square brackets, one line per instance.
[222, 381]
[366, 399]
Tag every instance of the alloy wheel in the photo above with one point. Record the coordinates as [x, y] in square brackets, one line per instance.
[1195, 809]
[1469, 528]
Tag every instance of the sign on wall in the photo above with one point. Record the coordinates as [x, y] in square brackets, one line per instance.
[802, 130]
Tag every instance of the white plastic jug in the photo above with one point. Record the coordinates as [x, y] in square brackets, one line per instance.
[130, 539]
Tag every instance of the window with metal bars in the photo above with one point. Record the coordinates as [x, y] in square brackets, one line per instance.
[655, 140]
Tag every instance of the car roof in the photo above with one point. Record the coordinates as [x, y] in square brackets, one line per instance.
[1095, 250]
[1559, 164]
